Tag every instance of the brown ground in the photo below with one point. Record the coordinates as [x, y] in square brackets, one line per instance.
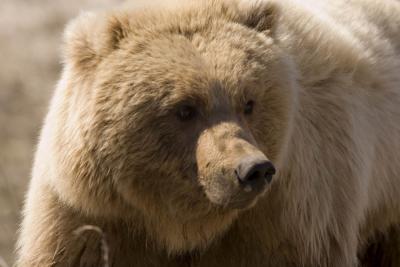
[30, 39]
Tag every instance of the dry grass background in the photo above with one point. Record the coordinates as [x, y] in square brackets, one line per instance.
[30, 39]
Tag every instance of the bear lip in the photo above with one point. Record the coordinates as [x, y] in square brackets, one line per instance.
[247, 195]
[243, 204]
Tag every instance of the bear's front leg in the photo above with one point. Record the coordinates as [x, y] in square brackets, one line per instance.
[49, 236]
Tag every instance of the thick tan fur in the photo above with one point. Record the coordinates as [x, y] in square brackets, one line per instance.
[325, 79]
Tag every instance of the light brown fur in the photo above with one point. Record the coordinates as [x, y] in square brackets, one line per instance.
[325, 80]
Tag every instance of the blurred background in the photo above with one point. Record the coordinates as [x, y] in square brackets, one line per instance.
[30, 44]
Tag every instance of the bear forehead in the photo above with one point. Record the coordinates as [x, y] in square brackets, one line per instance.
[194, 66]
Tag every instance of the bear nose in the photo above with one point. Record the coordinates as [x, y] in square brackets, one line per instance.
[253, 169]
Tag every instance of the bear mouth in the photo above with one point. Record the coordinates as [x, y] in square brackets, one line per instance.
[239, 196]
[247, 198]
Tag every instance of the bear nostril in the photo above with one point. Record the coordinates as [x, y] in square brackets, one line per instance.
[269, 172]
[270, 169]
[254, 176]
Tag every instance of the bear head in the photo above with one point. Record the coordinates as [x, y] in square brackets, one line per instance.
[177, 116]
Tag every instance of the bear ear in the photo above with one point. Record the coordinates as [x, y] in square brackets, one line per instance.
[90, 37]
[259, 15]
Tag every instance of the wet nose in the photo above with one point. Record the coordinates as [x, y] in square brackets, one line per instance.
[253, 169]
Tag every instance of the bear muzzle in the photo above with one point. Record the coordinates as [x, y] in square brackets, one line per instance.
[233, 171]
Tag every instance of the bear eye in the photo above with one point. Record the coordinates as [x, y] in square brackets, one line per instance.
[248, 108]
[186, 113]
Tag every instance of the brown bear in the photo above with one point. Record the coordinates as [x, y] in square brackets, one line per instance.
[221, 133]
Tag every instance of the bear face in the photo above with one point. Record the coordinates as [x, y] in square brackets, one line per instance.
[180, 114]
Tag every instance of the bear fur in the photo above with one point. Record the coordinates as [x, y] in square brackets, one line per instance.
[156, 106]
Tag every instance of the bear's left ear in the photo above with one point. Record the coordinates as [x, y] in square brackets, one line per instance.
[91, 37]
[259, 15]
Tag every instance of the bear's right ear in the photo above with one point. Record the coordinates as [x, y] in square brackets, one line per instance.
[259, 15]
[90, 37]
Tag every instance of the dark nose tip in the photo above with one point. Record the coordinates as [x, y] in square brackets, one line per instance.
[251, 170]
